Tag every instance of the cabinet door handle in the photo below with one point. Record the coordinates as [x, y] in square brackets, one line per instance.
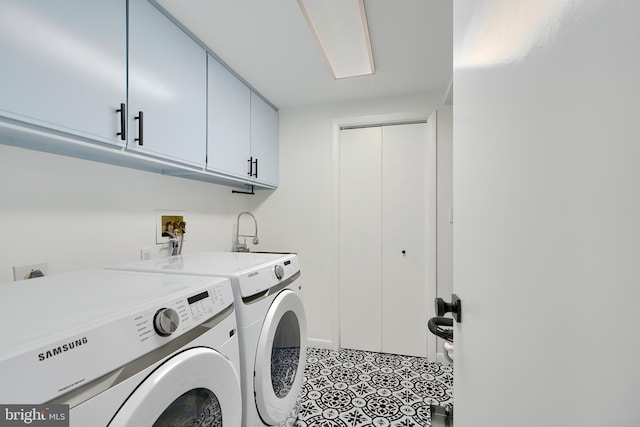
[140, 118]
[250, 166]
[255, 174]
[123, 122]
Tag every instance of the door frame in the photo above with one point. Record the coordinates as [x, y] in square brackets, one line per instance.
[370, 120]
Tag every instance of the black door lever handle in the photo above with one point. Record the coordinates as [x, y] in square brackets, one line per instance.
[454, 307]
[435, 328]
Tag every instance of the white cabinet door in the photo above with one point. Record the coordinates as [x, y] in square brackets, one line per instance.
[229, 122]
[264, 141]
[168, 85]
[242, 138]
[64, 65]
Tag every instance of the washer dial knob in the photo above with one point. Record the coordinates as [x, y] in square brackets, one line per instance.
[279, 271]
[166, 321]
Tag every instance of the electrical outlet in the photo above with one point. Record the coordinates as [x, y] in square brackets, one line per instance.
[145, 254]
[22, 272]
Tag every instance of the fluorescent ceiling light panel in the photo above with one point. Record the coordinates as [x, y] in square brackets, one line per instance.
[340, 26]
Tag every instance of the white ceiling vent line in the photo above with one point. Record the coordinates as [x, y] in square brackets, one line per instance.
[341, 28]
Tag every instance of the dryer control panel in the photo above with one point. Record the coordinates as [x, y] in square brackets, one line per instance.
[256, 280]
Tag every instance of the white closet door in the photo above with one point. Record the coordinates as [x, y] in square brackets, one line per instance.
[405, 215]
[360, 239]
[387, 237]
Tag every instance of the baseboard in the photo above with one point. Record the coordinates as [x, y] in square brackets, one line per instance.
[317, 343]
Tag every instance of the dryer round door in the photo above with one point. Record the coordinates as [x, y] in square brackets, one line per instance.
[197, 387]
[280, 358]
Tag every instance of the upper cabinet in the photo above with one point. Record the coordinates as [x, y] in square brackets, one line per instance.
[264, 141]
[167, 88]
[120, 82]
[64, 66]
[242, 129]
[229, 122]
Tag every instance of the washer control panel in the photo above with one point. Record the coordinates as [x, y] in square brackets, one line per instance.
[104, 320]
[184, 313]
[278, 270]
[166, 321]
[202, 304]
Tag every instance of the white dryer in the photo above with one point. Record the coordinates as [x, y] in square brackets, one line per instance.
[271, 321]
[123, 348]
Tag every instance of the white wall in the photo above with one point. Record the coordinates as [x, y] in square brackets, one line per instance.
[77, 214]
[298, 216]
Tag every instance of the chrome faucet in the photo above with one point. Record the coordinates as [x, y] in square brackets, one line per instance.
[242, 247]
[176, 236]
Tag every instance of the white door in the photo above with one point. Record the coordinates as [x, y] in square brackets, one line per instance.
[280, 358]
[360, 239]
[196, 387]
[547, 212]
[408, 236]
[387, 237]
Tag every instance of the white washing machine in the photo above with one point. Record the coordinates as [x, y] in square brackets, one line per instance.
[123, 348]
[271, 321]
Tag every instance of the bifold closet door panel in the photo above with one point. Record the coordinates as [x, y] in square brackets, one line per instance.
[360, 239]
[405, 164]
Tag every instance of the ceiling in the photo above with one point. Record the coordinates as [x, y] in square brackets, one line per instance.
[269, 44]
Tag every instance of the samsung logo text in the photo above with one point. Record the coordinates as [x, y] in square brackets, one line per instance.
[62, 349]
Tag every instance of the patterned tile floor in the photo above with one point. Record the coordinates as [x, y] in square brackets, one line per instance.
[352, 388]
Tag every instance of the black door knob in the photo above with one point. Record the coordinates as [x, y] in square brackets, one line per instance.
[454, 307]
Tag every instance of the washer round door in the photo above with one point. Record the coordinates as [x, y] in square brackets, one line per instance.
[197, 387]
[280, 358]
